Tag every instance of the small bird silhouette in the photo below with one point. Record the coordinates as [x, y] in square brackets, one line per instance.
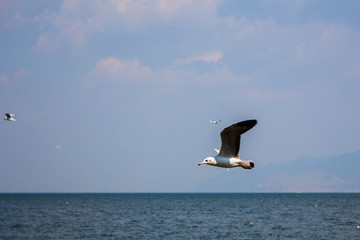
[215, 122]
[9, 117]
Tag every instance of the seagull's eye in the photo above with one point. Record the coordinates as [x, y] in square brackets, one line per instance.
[206, 160]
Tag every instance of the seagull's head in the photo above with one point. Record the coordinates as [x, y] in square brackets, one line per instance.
[208, 160]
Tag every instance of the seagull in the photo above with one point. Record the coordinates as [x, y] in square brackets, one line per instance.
[58, 146]
[227, 156]
[215, 122]
[9, 117]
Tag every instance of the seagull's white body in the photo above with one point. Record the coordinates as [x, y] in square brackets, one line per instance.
[226, 162]
[215, 122]
[9, 117]
[227, 156]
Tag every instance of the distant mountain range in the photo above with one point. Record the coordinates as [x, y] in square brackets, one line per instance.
[339, 173]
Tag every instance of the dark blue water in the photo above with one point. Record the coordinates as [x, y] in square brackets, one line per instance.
[179, 216]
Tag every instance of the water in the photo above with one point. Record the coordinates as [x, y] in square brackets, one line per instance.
[179, 216]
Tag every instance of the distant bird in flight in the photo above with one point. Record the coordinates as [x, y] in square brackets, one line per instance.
[215, 122]
[58, 146]
[227, 156]
[9, 117]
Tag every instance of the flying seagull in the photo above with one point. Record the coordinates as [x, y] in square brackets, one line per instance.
[9, 117]
[58, 146]
[215, 122]
[227, 156]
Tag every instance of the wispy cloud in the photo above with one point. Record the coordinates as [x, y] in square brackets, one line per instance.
[20, 73]
[280, 48]
[11, 15]
[114, 70]
[4, 80]
[120, 70]
[77, 20]
[209, 57]
[73, 34]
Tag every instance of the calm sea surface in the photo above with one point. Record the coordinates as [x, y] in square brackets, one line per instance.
[180, 216]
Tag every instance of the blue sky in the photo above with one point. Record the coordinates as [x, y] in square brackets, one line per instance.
[128, 89]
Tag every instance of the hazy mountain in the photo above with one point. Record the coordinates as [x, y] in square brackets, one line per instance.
[327, 174]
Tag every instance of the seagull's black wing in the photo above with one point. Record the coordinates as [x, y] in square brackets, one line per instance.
[230, 137]
[7, 115]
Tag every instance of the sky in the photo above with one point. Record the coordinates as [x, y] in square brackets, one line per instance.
[127, 88]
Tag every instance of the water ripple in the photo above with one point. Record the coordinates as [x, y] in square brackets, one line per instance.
[179, 216]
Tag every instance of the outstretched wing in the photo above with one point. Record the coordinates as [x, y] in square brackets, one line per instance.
[230, 137]
[7, 115]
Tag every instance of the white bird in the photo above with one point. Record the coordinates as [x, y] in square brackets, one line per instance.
[227, 156]
[58, 146]
[9, 117]
[215, 122]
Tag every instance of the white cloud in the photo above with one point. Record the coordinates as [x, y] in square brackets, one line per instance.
[118, 70]
[209, 57]
[47, 43]
[77, 20]
[121, 70]
[72, 33]
[138, 11]
[285, 50]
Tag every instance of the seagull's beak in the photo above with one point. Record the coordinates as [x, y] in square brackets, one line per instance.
[201, 163]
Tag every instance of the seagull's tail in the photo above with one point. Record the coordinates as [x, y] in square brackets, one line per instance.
[247, 164]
